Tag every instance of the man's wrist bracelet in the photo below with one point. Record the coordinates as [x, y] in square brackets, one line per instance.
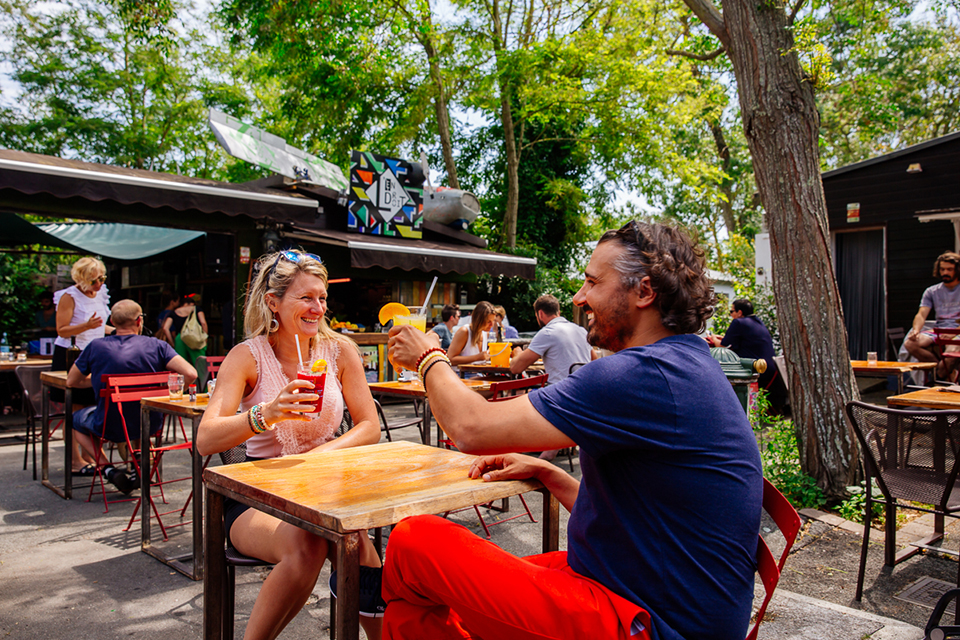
[433, 361]
[424, 355]
[426, 361]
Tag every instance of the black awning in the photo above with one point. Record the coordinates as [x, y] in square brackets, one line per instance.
[420, 255]
[32, 174]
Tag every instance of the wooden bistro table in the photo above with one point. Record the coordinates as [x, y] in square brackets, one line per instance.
[57, 380]
[932, 398]
[35, 361]
[337, 495]
[883, 369]
[192, 411]
[414, 389]
[486, 368]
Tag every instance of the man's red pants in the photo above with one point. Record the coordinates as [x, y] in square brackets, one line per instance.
[442, 581]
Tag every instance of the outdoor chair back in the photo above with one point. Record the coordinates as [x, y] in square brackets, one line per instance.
[29, 378]
[207, 369]
[387, 427]
[788, 521]
[913, 456]
[515, 387]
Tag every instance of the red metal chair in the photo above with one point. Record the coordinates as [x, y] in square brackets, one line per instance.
[769, 568]
[514, 388]
[131, 388]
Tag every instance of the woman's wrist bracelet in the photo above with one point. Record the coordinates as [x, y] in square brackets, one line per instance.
[258, 424]
[431, 357]
[426, 369]
[423, 356]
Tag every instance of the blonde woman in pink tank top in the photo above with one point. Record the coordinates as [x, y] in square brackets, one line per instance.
[288, 299]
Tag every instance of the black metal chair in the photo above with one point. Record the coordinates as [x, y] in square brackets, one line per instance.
[914, 457]
[29, 378]
[387, 427]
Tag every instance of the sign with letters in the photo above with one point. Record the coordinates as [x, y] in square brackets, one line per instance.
[386, 196]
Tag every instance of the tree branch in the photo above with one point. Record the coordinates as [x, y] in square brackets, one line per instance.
[696, 56]
[711, 17]
[793, 12]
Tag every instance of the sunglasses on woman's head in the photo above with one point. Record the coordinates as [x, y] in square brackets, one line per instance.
[292, 256]
[100, 280]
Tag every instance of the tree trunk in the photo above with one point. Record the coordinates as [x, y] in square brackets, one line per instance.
[509, 139]
[781, 124]
[443, 114]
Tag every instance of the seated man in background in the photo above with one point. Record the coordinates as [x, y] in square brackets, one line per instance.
[125, 351]
[450, 316]
[944, 298]
[748, 337]
[668, 460]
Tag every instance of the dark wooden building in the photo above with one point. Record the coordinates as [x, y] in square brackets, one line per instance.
[889, 218]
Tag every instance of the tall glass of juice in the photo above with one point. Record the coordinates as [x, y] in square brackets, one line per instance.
[420, 322]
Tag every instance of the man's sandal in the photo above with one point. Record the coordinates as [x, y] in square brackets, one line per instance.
[88, 471]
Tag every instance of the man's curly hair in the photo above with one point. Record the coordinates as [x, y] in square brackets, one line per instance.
[677, 270]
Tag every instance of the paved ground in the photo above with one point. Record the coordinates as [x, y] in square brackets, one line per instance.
[68, 569]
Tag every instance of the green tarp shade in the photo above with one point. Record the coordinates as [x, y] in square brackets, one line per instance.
[120, 241]
[17, 232]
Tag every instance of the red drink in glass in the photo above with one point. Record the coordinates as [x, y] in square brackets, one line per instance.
[319, 380]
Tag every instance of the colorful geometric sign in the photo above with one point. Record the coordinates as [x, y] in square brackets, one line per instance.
[385, 200]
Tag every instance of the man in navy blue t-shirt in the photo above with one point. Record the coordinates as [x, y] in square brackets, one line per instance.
[663, 527]
[125, 351]
[748, 337]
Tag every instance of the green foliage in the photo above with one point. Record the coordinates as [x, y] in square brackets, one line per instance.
[18, 296]
[853, 508]
[113, 81]
[781, 457]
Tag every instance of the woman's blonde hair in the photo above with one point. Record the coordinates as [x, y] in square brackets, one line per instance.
[481, 313]
[86, 269]
[276, 274]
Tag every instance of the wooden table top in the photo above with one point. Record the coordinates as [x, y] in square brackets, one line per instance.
[862, 366]
[415, 388]
[31, 361]
[933, 398]
[364, 487]
[56, 379]
[536, 367]
[181, 407]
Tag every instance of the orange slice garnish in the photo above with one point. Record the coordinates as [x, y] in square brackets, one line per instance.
[320, 366]
[391, 309]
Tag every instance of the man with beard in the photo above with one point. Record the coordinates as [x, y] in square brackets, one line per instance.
[667, 459]
[945, 298]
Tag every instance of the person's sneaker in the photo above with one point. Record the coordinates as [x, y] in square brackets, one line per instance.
[121, 481]
[371, 602]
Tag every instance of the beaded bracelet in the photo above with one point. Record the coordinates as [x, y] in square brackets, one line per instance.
[424, 355]
[423, 377]
[423, 364]
[258, 424]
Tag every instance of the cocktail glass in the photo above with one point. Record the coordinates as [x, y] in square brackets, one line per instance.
[318, 380]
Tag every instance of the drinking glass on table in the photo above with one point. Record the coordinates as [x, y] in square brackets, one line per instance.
[175, 386]
[871, 358]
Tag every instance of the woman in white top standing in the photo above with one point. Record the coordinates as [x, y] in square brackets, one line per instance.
[82, 313]
[467, 345]
[286, 303]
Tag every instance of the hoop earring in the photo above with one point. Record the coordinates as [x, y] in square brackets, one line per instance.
[274, 325]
